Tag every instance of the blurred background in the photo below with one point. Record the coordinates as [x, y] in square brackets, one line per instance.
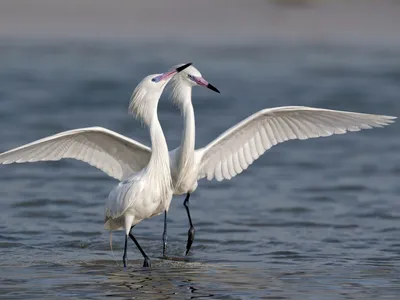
[316, 219]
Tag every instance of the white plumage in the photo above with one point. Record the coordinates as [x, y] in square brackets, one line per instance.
[146, 187]
[116, 155]
[148, 192]
[225, 157]
[235, 149]
[238, 147]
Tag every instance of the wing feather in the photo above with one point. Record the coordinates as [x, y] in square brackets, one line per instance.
[247, 154]
[237, 148]
[259, 146]
[114, 154]
[242, 159]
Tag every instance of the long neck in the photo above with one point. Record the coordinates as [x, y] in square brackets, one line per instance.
[189, 130]
[159, 160]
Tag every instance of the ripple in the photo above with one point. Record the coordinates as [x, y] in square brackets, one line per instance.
[390, 229]
[236, 242]
[337, 188]
[381, 261]
[299, 224]
[8, 237]
[321, 199]
[45, 202]
[298, 209]
[84, 234]
[285, 254]
[43, 215]
[225, 230]
[378, 215]
[10, 245]
[331, 240]
[74, 244]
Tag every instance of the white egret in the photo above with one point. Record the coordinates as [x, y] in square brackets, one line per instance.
[145, 189]
[235, 149]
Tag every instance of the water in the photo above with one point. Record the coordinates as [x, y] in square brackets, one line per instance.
[316, 219]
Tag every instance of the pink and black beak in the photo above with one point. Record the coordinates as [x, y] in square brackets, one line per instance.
[169, 74]
[201, 81]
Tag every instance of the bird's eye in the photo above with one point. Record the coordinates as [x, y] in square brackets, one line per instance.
[154, 79]
[190, 77]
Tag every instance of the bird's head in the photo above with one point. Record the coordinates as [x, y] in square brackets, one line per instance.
[192, 77]
[145, 97]
[183, 82]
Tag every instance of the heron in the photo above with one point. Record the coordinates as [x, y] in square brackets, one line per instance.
[239, 146]
[145, 189]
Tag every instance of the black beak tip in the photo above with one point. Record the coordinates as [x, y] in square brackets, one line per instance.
[181, 68]
[213, 88]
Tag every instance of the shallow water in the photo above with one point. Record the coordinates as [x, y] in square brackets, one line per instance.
[316, 219]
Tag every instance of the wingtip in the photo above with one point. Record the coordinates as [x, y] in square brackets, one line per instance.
[390, 120]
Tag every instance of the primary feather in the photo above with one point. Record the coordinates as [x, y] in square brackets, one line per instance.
[235, 149]
[116, 155]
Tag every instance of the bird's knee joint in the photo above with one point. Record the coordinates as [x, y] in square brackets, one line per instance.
[191, 230]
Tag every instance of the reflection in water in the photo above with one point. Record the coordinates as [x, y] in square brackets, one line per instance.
[174, 280]
[182, 280]
[168, 279]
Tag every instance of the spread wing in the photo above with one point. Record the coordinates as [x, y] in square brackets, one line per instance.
[113, 153]
[237, 148]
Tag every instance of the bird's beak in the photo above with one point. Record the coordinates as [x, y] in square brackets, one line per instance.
[171, 73]
[201, 81]
[213, 88]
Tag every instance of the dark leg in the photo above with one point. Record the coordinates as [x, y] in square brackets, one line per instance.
[191, 229]
[146, 258]
[164, 236]
[126, 247]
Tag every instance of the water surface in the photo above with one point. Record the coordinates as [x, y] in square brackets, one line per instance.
[316, 219]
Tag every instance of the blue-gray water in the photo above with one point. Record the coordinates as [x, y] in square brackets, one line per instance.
[316, 219]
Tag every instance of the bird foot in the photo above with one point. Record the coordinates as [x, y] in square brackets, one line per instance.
[146, 263]
[124, 261]
[190, 239]
[165, 239]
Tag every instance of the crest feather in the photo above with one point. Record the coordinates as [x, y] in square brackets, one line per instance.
[144, 99]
